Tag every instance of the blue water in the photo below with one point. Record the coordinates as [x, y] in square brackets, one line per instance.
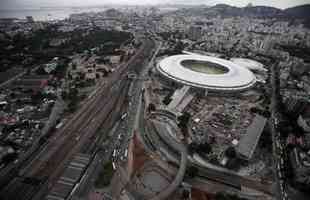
[57, 13]
[44, 14]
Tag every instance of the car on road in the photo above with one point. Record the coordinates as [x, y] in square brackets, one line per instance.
[276, 122]
[282, 161]
[124, 116]
[114, 153]
[126, 153]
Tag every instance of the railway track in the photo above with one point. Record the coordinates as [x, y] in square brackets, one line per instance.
[83, 124]
[53, 165]
[99, 114]
[81, 128]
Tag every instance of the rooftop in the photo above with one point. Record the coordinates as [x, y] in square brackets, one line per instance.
[248, 142]
[249, 64]
[207, 72]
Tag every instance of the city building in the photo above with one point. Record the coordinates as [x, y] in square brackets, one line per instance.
[33, 82]
[248, 142]
[300, 162]
[195, 32]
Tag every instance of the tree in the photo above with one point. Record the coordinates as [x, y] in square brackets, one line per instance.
[179, 47]
[105, 175]
[73, 66]
[151, 107]
[224, 196]
[192, 171]
[233, 163]
[73, 98]
[266, 114]
[97, 75]
[73, 93]
[9, 157]
[205, 148]
[72, 105]
[220, 196]
[184, 119]
[192, 148]
[37, 96]
[230, 152]
[167, 100]
[185, 194]
[64, 95]
[254, 110]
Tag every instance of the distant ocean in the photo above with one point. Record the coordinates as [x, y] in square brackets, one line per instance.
[59, 13]
[45, 14]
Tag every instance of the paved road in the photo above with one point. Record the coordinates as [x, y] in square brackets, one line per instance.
[119, 136]
[103, 154]
[139, 110]
[51, 161]
[277, 148]
[162, 142]
[181, 149]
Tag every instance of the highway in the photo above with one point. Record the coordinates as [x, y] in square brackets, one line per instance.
[137, 113]
[182, 150]
[162, 142]
[81, 129]
[119, 136]
[277, 147]
[156, 141]
[209, 173]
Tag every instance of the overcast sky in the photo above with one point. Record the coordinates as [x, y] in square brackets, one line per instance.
[36, 3]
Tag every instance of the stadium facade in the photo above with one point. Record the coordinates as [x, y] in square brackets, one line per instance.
[211, 73]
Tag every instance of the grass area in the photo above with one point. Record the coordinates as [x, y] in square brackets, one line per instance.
[105, 175]
[204, 67]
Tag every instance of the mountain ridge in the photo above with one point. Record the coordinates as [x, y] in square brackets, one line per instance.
[225, 10]
[298, 13]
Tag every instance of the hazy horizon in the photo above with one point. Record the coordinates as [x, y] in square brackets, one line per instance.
[19, 4]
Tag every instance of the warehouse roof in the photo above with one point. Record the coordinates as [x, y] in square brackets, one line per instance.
[248, 142]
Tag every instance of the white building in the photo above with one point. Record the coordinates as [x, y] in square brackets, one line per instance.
[214, 74]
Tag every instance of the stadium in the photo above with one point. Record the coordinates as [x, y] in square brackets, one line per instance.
[211, 73]
[250, 64]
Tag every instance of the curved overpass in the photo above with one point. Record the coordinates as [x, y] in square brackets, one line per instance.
[230, 179]
[181, 148]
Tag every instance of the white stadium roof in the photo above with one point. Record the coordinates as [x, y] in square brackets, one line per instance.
[236, 78]
[248, 63]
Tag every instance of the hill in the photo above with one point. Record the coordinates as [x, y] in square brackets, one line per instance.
[302, 11]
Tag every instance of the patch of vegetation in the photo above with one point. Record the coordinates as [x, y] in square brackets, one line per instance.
[224, 196]
[36, 48]
[105, 175]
